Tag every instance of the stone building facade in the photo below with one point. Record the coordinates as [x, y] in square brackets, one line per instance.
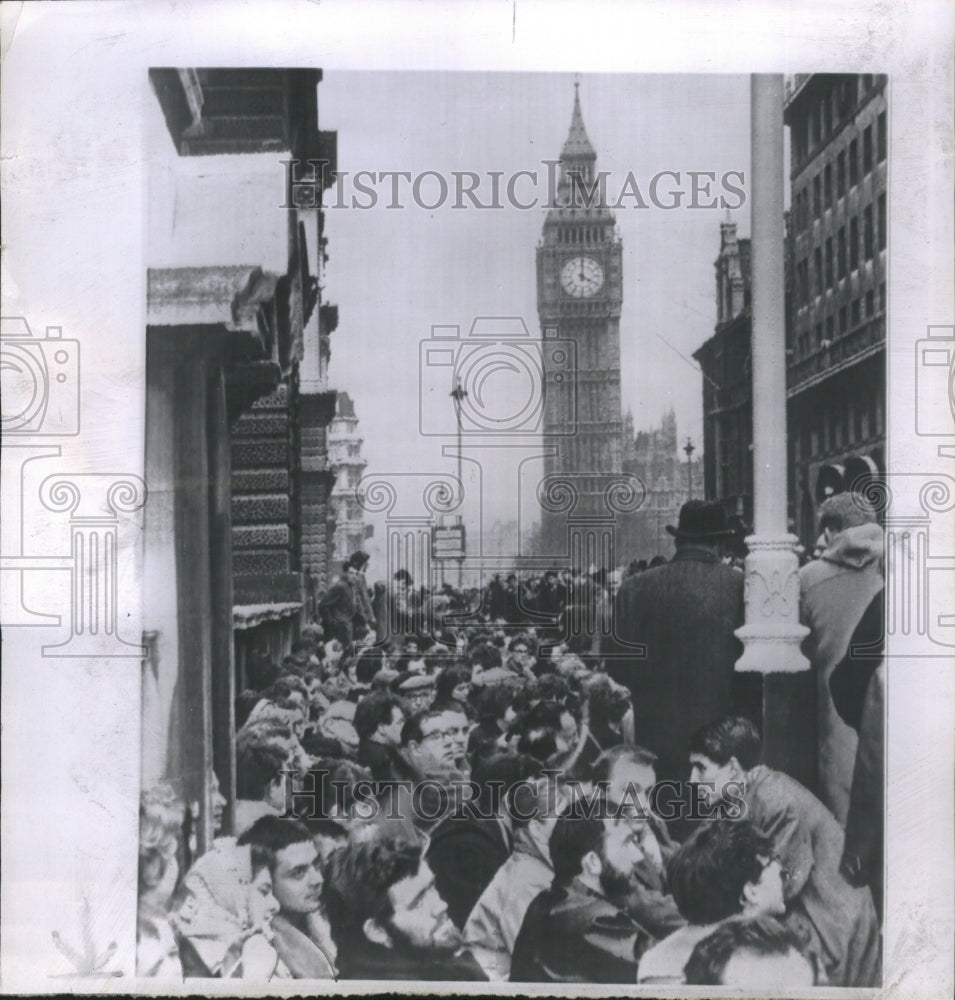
[230, 350]
[725, 360]
[579, 296]
[836, 257]
[836, 378]
[349, 531]
[657, 457]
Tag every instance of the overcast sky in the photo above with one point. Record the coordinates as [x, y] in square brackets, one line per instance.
[396, 272]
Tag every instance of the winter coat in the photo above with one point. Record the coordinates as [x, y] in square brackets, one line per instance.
[685, 614]
[835, 590]
[838, 921]
[574, 934]
[664, 962]
[465, 852]
[304, 958]
[339, 609]
[365, 960]
[496, 918]
[858, 693]
[365, 616]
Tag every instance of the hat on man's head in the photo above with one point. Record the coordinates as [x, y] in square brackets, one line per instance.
[700, 520]
[417, 683]
[358, 559]
[497, 675]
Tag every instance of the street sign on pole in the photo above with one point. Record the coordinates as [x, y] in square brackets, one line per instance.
[447, 542]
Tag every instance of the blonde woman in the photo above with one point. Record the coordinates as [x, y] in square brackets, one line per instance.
[161, 816]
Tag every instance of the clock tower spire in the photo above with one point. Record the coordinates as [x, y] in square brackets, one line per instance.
[579, 297]
[578, 143]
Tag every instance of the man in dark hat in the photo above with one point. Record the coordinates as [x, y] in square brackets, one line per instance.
[683, 614]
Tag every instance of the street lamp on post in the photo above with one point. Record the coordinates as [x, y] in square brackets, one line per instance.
[459, 394]
[688, 448]
[772, 632]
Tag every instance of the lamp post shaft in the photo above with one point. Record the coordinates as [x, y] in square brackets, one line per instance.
[772, 632]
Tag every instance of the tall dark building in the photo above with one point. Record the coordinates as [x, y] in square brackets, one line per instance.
[579, 295]
[725, 360]
[835, 378]
[835, 252]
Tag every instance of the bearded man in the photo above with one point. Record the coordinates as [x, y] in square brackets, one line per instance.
[578, 931]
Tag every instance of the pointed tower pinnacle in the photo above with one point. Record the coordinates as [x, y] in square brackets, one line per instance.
[578, 144]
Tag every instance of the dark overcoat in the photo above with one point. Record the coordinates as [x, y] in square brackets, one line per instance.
[684, 614]
[465, 853]
[338, 609]
[572, 934]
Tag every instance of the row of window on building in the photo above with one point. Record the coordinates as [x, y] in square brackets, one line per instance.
[729, 366]
[833, 109]
[348, 478]
[848, 317]
[846, 424]
[734, 452]
[847, 166]
[832, 263]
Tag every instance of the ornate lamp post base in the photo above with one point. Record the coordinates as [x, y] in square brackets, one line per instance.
[772, 634]
[771, 639]
[772, 649]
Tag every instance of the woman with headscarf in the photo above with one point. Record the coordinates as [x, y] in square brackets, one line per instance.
[225, 915]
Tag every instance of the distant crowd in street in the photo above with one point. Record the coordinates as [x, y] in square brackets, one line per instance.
[556, 778]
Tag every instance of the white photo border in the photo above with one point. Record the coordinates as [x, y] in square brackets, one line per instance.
[74, 185]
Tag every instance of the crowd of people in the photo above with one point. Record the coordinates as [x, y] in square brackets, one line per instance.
[523, 793]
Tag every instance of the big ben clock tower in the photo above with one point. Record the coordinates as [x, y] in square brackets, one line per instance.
[579, 295]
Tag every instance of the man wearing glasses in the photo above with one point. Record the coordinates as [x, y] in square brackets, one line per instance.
[430, 742]
[429, 738]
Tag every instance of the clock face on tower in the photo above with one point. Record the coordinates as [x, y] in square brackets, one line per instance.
[582, 277]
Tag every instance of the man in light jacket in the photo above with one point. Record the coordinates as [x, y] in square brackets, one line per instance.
[835, 591]
[497, 916]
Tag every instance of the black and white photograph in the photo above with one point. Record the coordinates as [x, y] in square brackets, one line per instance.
[472, 519]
